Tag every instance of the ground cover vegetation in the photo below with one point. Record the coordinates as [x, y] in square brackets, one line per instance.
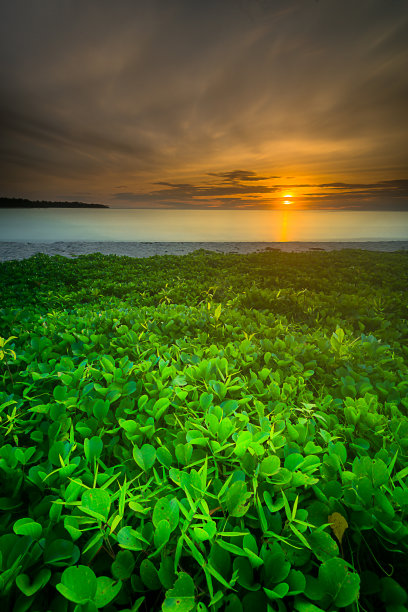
[206, 432]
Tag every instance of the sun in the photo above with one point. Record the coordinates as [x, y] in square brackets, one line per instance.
[287, 195]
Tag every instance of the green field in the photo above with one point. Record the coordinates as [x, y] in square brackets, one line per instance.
[204, 432]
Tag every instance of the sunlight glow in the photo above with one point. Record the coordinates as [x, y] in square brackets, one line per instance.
[283, 233]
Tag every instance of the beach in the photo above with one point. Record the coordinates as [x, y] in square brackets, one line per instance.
[23, 250]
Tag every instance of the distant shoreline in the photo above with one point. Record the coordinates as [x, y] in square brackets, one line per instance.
[23, 250]
[24, 203]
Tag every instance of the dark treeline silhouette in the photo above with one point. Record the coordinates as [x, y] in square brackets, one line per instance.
[23, 203]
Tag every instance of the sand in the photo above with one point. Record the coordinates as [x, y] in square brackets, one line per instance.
[22, 250]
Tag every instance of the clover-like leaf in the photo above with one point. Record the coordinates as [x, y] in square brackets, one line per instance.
[164, 456]
[149, 575]
[337, 581]
[270, 465]
[130, 539]
[93, 448]
[78, 584]
[236, 497]
[145, 456]
[27, 526]
[106, 591]
[123, 565]
[181, 597]
[168, 510]
[162, 533]
[96, 503]
[40, 580]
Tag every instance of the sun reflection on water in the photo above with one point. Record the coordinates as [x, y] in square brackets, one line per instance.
[283, 227]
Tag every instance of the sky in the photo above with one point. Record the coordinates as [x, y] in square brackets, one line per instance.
[231, 104]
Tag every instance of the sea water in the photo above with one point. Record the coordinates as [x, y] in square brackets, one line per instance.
[157, 225]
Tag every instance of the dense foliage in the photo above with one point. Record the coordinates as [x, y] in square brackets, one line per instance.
[207, 432]
[24, 203]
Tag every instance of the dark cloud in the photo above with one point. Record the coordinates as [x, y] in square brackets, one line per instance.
[241, 176]
[99, 94]
[384, 195]
[194, 191]
[394, 188]
[224, 192]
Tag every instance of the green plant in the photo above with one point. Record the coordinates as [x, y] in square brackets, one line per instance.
[173, 440]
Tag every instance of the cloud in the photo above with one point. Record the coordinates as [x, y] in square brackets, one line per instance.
[383, 195]
[241, 176]
[222, 193]
[393, 188]
[196, 191]
[103, 94]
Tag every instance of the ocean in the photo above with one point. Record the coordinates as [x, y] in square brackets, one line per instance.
[158, 225]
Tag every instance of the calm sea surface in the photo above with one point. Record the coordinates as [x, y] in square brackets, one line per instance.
[59, 224]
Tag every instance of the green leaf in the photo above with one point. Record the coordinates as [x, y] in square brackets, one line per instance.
[145, 457]
[217, 312]
[302, 605]
[130, 539]
[245, 574]
[207, 532]
[164, 456]
[236, 497]
[181, 597]
[299, 535]
[40, 580]
[270, 465]
[129, 388]
[123, 565]
[183, 453]
[225, 429]
[162, 533]
[100, 408]
[294, 461]
[392, 593]
[338, 582]
[149, 575]
[93, 448]
[205, 400]
[168, 510]
[243, 441]
[78, 584]
[57, 450]
[211, 569]
[166, 572]
[106, 591]
[232, 548]
[296, 581]
[278, 592]
[379, 473]
[276, 566]
[96, 503]
[323, 545]
[59, 393]
[250, 546]
[27, 526]
[160, 407]
[108, 363]
[61, 552]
